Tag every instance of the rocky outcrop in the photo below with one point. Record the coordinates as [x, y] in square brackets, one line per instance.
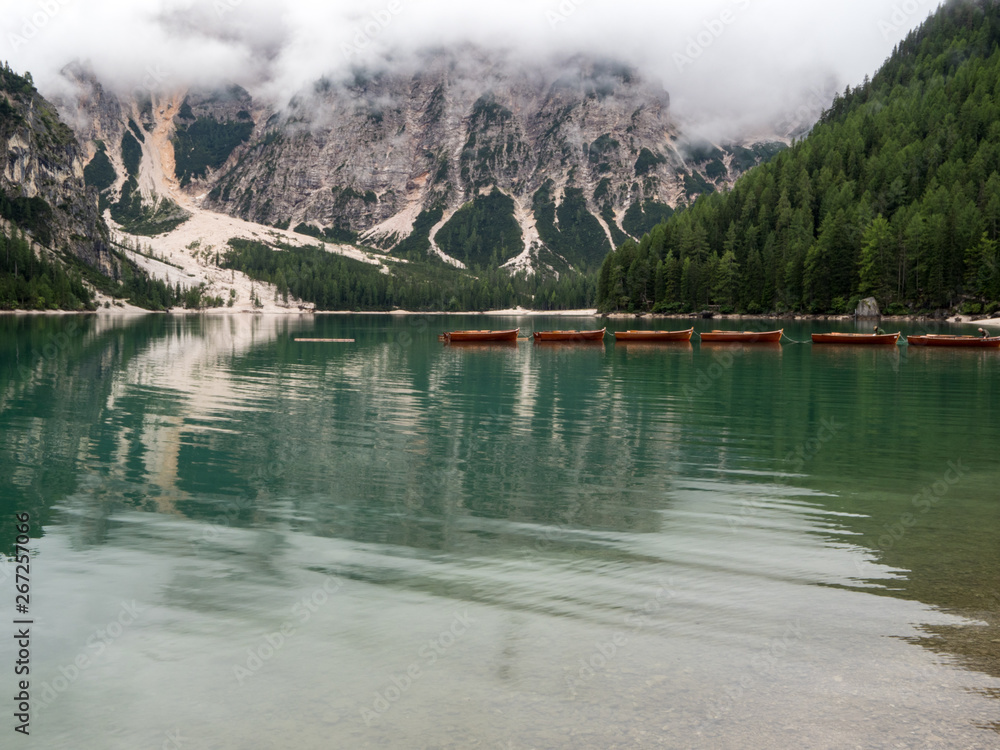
[586, 150]
[868, 308]
[366, 157]
[42, 186]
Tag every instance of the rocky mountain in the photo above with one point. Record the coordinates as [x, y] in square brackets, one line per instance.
[42, 186]
[464, 155]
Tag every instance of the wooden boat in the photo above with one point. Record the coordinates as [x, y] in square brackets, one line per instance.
[935, 339]
[465, 337]
[570, 335]
[654, 336]
[864, 339]
[744, 337]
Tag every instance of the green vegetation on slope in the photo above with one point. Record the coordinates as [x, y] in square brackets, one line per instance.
[131, 154]
[483, 232]
[895, 194]
[30, 282]
[334, 282]
[100, 173]
[647, 162]
[579, 238]
[137, 217]
[330, 234]
[32, 214]
[640, 218]
[418, 243]
[12, 83]
[206, 144]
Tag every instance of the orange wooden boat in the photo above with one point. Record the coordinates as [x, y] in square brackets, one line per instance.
[744, 337]
[654, 336]
[466, 337]
[934, 339]
[570, 335]
[864, 339]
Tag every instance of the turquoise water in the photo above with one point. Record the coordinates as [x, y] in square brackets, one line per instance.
[239, 540]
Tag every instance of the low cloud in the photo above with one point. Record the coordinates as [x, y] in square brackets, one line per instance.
[729, 65]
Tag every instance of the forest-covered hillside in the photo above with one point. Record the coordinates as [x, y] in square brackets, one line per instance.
[894, 194]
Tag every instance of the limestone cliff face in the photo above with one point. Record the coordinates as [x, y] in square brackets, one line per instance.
[365, 157]
[42, 178]
[129, 148]
[584, 152]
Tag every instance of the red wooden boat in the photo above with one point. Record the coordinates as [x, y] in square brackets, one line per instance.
[570, 335]
[464, 337]
[654, 336]
[934, 339]
[745, 337]
[864, 339]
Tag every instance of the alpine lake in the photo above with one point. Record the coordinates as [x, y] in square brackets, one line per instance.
[238, 540]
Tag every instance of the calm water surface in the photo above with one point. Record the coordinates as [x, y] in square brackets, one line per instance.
[240, 541]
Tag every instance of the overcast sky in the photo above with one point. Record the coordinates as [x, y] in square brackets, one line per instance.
[722, 61]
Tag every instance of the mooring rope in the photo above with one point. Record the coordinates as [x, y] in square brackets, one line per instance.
[794, 341]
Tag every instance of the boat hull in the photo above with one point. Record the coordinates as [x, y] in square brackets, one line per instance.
[857, 339]
[969, 342]
[472, 337]
[654, 336]
[569, 335]
[742, 337]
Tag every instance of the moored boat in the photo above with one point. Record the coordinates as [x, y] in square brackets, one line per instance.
[467, 337]
[934, 339]
[863, 339]
[570, 335]
[654, 336]
[744, 337]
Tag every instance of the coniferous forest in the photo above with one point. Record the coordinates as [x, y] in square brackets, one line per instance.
[895, 194]
[32, 282]
[334, 282]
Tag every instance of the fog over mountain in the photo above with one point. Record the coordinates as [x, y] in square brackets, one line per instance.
[729, 65]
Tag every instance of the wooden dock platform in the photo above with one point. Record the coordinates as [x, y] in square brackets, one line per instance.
[327, 341]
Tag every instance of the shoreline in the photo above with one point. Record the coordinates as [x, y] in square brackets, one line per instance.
[515, 313]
